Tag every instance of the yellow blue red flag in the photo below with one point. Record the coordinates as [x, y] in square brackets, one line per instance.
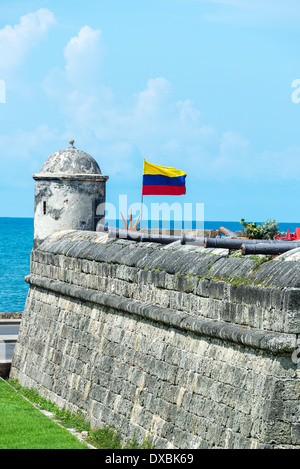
[163, 180]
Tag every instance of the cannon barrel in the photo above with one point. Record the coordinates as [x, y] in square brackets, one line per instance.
[229, 243]
[237, 243]
[268, 248]
[196, 241]
[140, 236]
[248, 246]
[228, 233]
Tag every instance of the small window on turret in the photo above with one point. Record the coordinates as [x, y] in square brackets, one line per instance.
[44, 207]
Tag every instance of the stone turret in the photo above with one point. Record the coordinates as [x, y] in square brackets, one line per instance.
[69, 193]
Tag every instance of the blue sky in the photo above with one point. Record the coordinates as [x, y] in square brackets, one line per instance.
[201, 85]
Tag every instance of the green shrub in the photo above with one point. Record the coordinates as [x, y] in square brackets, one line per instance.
[266, 230]
[269, 229]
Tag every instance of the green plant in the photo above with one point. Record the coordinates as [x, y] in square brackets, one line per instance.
[106, 437]
[251, 228]
[269, 229]
[133, 444]
[266, 230]
[23, 426]
[237, 254]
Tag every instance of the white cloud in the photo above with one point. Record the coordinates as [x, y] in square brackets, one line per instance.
[16, 41]
[233, 157]
[152, 125]
[79, 89]
[189, 114]
[150, 101]
[84, 54]
[21, 144]
[23, 153]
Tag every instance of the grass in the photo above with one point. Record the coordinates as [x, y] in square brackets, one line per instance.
[109, 438]
[22, 426]
[101, 438]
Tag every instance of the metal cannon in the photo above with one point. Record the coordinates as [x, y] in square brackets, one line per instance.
[278, 247]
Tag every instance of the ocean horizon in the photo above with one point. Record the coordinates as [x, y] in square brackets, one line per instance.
[16, 242]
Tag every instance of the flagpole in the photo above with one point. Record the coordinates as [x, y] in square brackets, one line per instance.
[141, 212]
[142, 199]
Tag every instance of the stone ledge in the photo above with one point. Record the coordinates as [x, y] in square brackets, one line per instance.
[70, 177]
[276, 343]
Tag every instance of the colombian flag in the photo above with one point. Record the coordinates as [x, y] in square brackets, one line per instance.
[162, 180]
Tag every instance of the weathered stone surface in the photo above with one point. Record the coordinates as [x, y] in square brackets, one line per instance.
[70, 160]
[66, 188]
[191, 349]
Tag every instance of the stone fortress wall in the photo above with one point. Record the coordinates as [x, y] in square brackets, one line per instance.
[190, 347]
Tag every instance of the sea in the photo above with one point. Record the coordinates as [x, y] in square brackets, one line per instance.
[16, 242]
